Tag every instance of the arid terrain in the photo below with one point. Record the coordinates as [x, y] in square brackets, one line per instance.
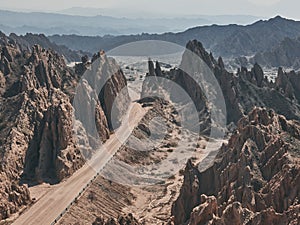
[92, 139]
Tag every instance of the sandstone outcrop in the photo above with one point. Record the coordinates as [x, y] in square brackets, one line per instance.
[246, 89]
[288, 84]
[37, 143]
[25, 42]
[242, 91]
[122, 220]
[254, 179]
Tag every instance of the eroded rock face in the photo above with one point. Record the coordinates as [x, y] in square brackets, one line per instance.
[288, 84]
[37, 142]
[25, 42]
[247, 89]
[108, 79]
[205, 211]
[242, 91]
[254, 179]
[122, 220]
[286, 54]
[181, 86]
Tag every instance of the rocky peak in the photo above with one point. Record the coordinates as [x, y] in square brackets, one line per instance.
[197, 48]
[158, 69]
[253, 178]
[221, 63]
[190, 198]
[36, 119]
[85, 59]
[151, 68]
[242, 91]
[278, 19]
[257, 117]
[104, 72]
[258, 74]
[98, 55]
[25, 43]
[4, 40]
[281, 78]
[247, 89]
[154, 70]
[288, 84]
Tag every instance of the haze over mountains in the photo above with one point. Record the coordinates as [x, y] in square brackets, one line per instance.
[133, 14]
[79, 22]
[228, 41]
[286, 53]
[271, 43]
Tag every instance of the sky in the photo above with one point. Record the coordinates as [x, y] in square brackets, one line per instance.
[166, 8]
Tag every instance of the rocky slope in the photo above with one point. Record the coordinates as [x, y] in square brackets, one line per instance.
[254, 179]
[127, 220]
[243, 90]
[285, 54]
[36, 126]
[122, 188]
[102, 201]
[163, 84]
[246, 89]
[25, 42]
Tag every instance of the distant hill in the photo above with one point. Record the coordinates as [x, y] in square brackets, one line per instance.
[226, 40]
[286, 54]
[87, 21]
[213, 19]
[26, 42]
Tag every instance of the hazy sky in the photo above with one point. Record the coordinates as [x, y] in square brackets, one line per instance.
[265, 8]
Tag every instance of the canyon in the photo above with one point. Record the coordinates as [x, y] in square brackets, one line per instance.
[248, 173]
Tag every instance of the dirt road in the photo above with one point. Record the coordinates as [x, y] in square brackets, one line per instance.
[59, 198]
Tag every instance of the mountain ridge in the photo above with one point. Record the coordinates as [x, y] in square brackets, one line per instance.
[225, 40]
[60, 23]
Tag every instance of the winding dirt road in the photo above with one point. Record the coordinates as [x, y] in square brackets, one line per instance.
[59, 197]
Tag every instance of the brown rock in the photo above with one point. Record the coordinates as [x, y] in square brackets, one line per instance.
[36, 120]
[127, 220]
[205, 211]
[254, 178]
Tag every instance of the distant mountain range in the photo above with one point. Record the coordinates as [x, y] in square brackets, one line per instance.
[286, 54]
[217, 19]
[226, 40]
[92, 22]
[26, 42]
[270, 43]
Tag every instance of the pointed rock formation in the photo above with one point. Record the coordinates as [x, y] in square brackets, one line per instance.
[37, 143]
[127, 220]
[254, 179]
